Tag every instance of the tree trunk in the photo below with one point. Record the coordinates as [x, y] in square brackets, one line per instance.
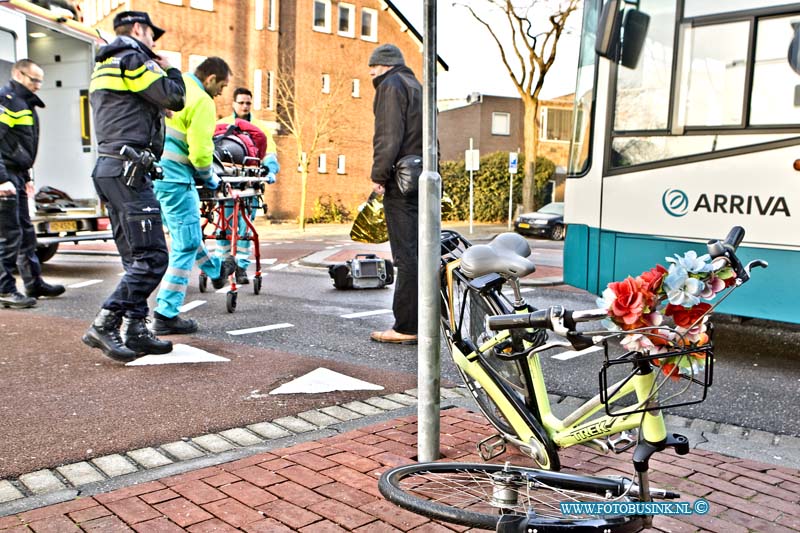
[530, 134]
[303, 187]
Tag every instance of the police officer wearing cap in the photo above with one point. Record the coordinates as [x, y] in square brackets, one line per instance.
[132, 89]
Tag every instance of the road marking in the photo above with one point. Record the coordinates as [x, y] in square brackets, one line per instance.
[269, 261]
[226, 288]
[279, 267]
[180, 354]
[259, 329]
[367, 313]
[84, 283]
[564, 356]
[296, 263]
[191, 305]
[323, 380]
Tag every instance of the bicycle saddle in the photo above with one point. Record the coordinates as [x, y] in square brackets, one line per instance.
[503, 256]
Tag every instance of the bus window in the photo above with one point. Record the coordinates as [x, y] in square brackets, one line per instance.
[642, 94]
[774, 82]
[8, 54]
[698, 8]
[584, 93]
[713, 72]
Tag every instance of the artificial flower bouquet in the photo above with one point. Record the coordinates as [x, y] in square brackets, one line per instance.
[641, 306]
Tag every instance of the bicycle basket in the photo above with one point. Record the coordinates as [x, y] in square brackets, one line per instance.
[452, 245]
[684, 376]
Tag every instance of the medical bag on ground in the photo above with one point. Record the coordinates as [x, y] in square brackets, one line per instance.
[364, 271]
[240, 143]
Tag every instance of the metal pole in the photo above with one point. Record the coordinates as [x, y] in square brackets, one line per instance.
[430, 224]
[510, 196]
[471, 166]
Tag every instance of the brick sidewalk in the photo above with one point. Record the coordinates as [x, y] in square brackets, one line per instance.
[331, 485]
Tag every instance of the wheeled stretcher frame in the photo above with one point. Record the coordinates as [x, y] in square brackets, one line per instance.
[240, 190]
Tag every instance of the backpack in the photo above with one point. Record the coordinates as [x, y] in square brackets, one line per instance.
[240, 143]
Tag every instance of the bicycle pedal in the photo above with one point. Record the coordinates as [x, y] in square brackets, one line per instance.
[491, 447]
[625, 441]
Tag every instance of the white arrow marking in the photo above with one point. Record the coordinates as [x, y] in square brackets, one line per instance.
[259, 329]
[323, 380]
[181, 353]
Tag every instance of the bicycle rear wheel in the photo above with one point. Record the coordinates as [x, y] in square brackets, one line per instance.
[478, 495]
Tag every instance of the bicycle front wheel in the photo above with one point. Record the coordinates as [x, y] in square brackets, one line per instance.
[478, 495]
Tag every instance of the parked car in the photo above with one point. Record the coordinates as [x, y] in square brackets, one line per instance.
[547, 222]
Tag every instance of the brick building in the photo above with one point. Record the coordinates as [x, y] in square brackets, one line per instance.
[318, 49]
[495, 124]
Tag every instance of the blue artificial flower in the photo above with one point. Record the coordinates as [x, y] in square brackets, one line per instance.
[682, 289]
[692, 263]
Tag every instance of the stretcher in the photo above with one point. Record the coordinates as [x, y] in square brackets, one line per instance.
[222, 211]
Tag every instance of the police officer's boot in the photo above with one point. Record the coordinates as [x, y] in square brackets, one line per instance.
[104, 335]
[140, 339]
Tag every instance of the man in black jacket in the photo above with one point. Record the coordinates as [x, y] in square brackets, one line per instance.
[132, 88]
[398, 133]
[19, 141]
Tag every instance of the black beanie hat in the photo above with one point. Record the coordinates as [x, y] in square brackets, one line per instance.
[386, 54]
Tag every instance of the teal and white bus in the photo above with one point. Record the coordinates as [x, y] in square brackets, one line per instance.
[687, 122]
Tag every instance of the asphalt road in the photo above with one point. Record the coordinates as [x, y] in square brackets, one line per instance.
[62, 402]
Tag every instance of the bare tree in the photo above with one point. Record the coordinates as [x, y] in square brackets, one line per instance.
[527, 52]
[311, 121]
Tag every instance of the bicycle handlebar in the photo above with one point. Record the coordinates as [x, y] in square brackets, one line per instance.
[555, 318]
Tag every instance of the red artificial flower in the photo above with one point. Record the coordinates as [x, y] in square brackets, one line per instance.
[669, 369]
[684, 317]
[629, 302]
[653, 278]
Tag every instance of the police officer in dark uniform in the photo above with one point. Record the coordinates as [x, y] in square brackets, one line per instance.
[132, 89]
[19, 142]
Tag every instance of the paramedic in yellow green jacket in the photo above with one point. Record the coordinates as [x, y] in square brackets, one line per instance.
[187, 158]
[242, 104]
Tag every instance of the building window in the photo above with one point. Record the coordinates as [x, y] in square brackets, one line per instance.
[501, 123]
[322, 15]
[326, 83]
[322, 164]
[356, 88]
[174, 58]
[347, 20]
[556, 124]
[271, 89]
[257, 89]
[302, 163]
[172, 2]
[259, 14]
[194, 61]
[271, 16]
[369, 24]
[206, 5]
[340, 165]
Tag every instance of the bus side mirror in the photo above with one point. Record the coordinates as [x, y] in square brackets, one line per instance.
[634, 32]
[794, 48]
[608, 27]
[627, 46]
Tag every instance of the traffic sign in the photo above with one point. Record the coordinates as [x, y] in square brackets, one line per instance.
[472, 160]
[513, 162]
